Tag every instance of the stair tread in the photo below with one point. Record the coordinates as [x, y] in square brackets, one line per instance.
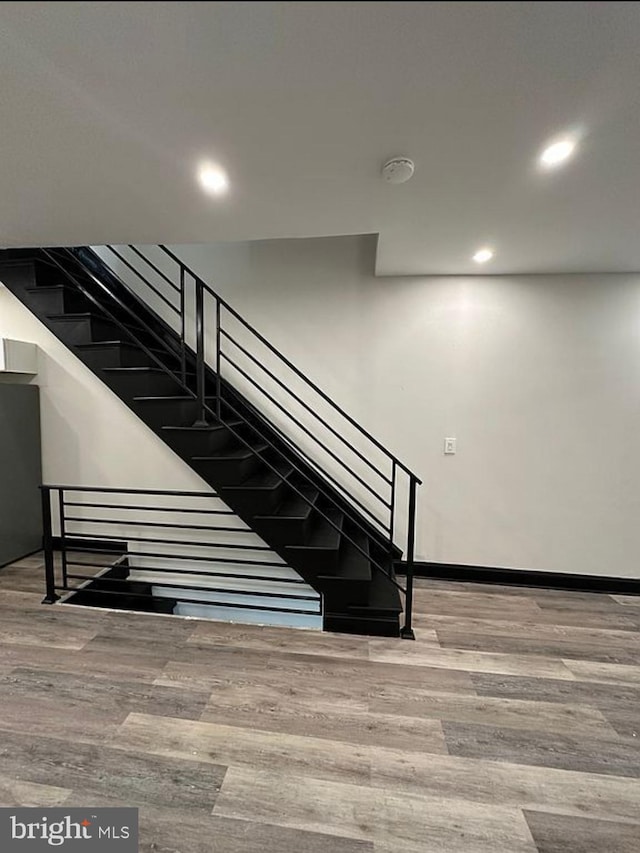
[295, 507]
[135, 369]
[119, 343]
[80, 315]
[208, 428]
[43, 288]
[325, 536]
[164, 397]
[238, 453]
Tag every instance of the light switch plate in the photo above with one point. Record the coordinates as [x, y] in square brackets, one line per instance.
[449, 446]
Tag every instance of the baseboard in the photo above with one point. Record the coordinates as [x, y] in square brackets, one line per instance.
[522, 577]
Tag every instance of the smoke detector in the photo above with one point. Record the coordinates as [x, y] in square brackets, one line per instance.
[398, 170]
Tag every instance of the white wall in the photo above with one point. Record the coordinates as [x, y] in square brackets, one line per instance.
[538, 378]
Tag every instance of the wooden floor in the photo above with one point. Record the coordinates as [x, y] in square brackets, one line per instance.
[512, 724]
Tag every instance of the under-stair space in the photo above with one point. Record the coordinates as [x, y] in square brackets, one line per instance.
[172, 552]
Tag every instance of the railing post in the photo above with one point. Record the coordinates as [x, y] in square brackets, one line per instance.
[407, 631]
[218, 380]
[47, 545]
[201, 420]
[63, 536]
[392, 516]
[183, 348]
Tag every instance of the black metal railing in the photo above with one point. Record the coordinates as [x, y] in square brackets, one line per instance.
[105, 534]
[378, 490]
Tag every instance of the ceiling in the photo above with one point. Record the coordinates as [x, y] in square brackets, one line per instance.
[106, 109]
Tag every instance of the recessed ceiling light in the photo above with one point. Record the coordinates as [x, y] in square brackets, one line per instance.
[213, 179]
[557, 153]
[483, 255]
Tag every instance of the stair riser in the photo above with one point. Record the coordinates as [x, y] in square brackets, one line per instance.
[337, 593]
[57, 302]
[369, 627]
[83, 331]
[194, 443]
[283, 531]
[114, 356]
[128, 386]
[313, 562]
[250, 502]
[159, 413]
[226, 472]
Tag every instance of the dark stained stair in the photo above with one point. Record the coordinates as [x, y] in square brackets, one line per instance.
[297, 511]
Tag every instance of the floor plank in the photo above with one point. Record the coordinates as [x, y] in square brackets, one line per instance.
[611, 673]
[415, 654]
[268, 709]
[562, 718]
[616, 756]
[16, 792]
[559, 834]
[627, 600]
[85, 706]
[179, 832]
[607, 651]
[230, 745]
[279, 639]
[618, 703]
[504, 783]
[95, 769]
[402, 822]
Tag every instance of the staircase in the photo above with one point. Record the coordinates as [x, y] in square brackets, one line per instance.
[192, 369]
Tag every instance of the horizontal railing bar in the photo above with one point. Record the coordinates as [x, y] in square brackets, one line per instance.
[231, 560]
[152, 287]
[296, 448]
[152, 508]
[308, 431]
[306, 458]
[154, 267]
[301, 494]
[72, 534]
[292, 366]
[305, 405]
[161, 524]
[193, 588]
[109, 490]
[265, 607]
[318, 390]
[190, 571]
[129, 332]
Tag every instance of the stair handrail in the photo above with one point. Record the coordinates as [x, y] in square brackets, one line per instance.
[201, 287]
[289, 363]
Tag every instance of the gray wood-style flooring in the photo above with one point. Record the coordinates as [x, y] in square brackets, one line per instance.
[512, 724]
